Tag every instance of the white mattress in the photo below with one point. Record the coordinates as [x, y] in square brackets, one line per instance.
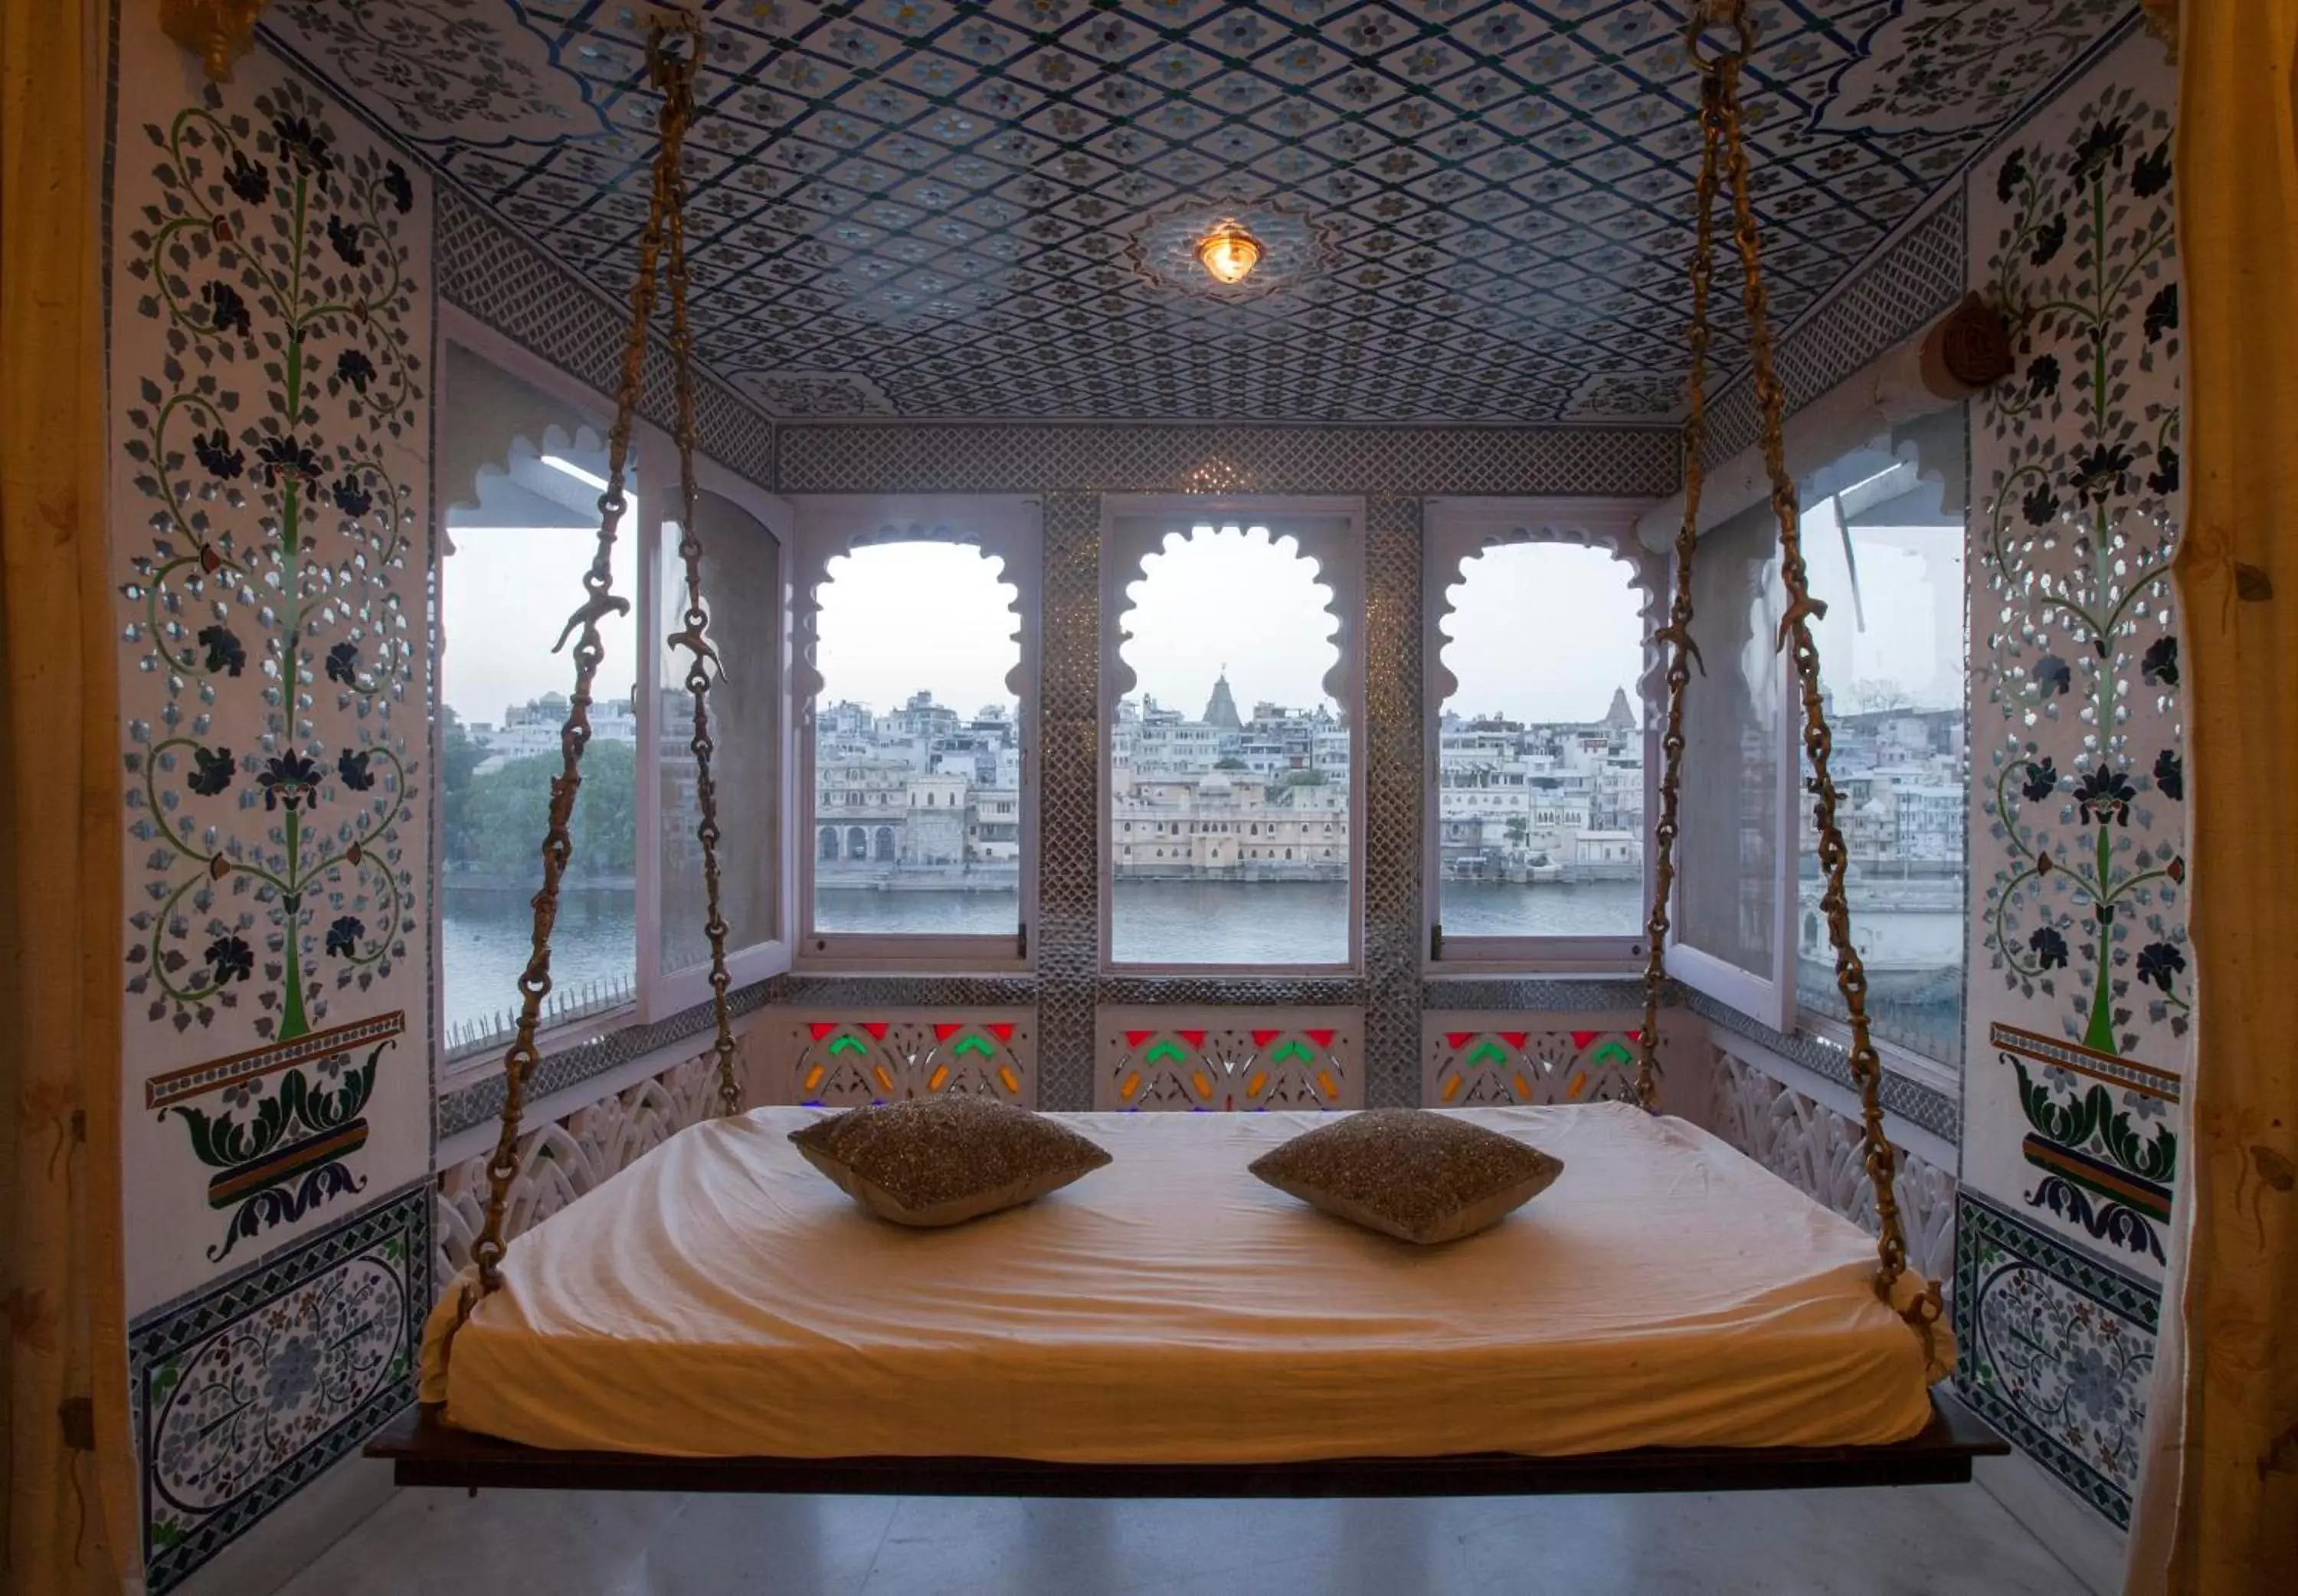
[719, 1298]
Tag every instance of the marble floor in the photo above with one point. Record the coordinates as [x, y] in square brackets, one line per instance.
[1941, 1540]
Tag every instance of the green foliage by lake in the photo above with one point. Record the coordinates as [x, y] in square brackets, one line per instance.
[492, 823]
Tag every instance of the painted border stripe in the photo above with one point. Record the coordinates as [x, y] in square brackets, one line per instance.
[285, 1164]
[2144, 1079]
[2105, 1179]
[196, 1080]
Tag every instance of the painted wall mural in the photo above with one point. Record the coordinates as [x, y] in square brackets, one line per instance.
[270, 344]
[1228, 1059]
[271, 351]
[248, 1391]
[2080, 993]
[846, 1058]
[1474, 1059]
[2057, 1349]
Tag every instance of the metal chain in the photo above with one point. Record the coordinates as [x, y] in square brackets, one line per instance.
[574, 735]
[675, 77]
[1720, 112]
[1677, 635]
[1819, 741]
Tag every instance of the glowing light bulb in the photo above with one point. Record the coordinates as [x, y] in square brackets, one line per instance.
[1229, 253]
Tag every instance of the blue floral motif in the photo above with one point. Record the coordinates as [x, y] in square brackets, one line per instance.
[211, 771]
[292, 1373]
[225, 651]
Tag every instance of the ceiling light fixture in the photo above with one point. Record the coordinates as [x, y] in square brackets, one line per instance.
[1229, 253]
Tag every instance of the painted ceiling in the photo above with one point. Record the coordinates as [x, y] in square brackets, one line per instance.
[1475, 213]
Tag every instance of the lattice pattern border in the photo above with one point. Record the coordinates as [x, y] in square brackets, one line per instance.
[487, 270]
[482, 1099]
[1909, 282]
[958, 457]
[1912, 1100]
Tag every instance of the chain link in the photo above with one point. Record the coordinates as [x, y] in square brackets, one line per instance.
[1677, 635]
[673, 76]
[1720, 120]
[676, 76]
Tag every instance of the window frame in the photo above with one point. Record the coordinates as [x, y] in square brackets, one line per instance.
[1330, 532]
[654, 457]
[1776, 1002]
[1902, 1059]
[1455, 530]
[1004, 527]
[672, 992]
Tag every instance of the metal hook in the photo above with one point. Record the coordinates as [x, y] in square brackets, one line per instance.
[595, 608]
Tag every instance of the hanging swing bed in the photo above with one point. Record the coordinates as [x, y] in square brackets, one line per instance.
[718, 1318]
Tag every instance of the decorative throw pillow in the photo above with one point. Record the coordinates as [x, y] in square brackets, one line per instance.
[943, 1160]
[1420, 1176]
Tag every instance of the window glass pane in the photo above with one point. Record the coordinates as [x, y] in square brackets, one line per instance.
[917, 802]
[1727, 854]
[505, 592]
[1540, 749]
[1230, 761]
[741, 592]
[1884, 545]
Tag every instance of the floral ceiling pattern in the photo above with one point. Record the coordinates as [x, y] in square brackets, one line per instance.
[959, 208]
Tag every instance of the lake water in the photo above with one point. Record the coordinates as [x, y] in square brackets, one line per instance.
[1240, 923]
[484, 937]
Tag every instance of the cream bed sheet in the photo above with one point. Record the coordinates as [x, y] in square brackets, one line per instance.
[719, 1298]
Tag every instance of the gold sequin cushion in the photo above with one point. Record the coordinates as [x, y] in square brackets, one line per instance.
[1420, 1176]
[943, 1160]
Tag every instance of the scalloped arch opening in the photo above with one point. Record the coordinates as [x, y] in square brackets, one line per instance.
[1211, 596]
[1540, 693]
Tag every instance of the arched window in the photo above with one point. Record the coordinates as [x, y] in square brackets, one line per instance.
[523, 477]
[521, 467]
[857, 843]
[1229, 661]
[1537, 681]
[915, 640]
[829, 842]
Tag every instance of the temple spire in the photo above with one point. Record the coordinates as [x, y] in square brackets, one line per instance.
[1220, 709]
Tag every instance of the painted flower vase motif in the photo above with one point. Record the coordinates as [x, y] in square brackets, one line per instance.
[271, 801]
[2085, 914]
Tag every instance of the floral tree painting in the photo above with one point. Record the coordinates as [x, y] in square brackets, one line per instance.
[275, 617]
[2083, 919]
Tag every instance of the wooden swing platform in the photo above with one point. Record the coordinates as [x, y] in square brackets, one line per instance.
[424, 1452]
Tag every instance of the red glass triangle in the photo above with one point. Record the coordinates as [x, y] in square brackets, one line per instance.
[821, 1028]
[876, 1028]
[1323, 1038]
[1261, 1038]
[1515, 1039]
[1194, 1038]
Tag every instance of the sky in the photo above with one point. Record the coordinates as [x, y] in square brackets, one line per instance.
[1537, 633]
[1542, 631]
[503, 597]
